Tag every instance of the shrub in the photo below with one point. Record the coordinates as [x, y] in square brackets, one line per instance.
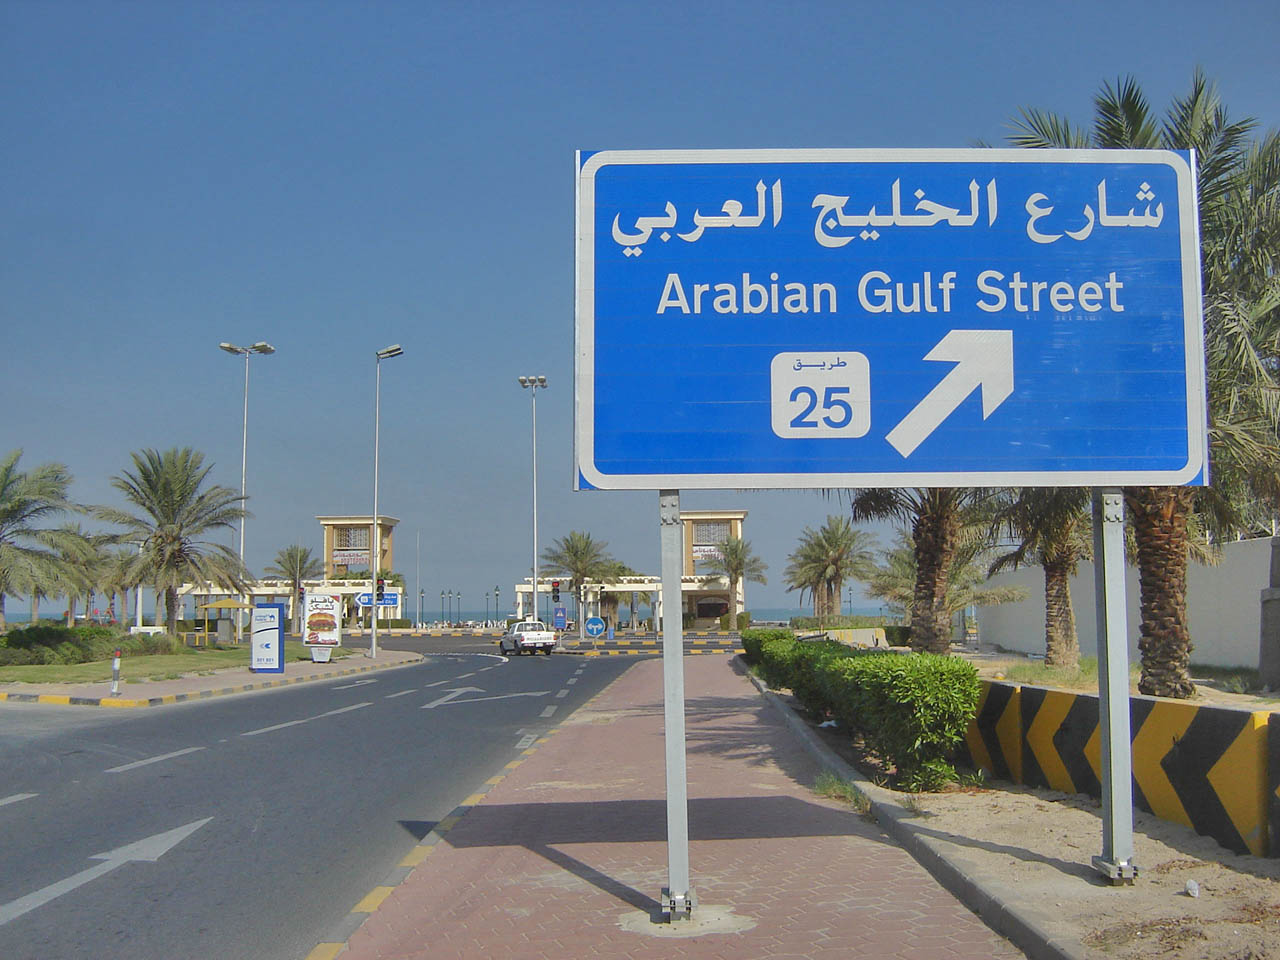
[897, 635]
[836, 622]
[753, 640]
[912, 710]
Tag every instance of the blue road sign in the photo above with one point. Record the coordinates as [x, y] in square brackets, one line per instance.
[559, 619]
[390, 598]
[878, 318]
[594, 626]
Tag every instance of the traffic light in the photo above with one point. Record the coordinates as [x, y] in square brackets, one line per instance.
[381, 586]
[555, 591]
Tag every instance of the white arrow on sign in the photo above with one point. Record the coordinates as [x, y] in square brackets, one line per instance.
[982, 358]
[149, 850]
[454, 694]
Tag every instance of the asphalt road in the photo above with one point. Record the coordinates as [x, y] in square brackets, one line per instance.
[267, 815]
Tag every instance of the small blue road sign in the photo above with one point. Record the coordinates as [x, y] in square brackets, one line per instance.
[594, 626]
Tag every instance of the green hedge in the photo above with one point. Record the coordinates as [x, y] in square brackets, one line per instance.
[53, 644]
[753, 639]
[897, 635]
[744, 621]
[911, 709]
[836, 622]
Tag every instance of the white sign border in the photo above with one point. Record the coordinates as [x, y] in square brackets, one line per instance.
[584, 326]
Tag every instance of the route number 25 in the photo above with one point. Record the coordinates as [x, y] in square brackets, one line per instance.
[820, 394]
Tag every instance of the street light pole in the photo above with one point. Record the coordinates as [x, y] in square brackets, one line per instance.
[442, 608]
[261, 347]
[376, 543]
[495, 602]
[532, 384]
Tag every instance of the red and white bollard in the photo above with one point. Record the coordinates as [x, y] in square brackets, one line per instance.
[115, 673]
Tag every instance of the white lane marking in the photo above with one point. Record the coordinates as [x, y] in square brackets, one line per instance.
[463, 676]
[149, 850]
[549, 711]
[356, 683]
[526, 741]
[294, 723]
[571, 681]
[142, 763]
[16, 798]
[437, 683]
[561, 694]
[452, 695]
[392, 696]
[578, 672]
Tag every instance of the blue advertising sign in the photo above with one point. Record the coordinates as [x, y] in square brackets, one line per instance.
[882, 318]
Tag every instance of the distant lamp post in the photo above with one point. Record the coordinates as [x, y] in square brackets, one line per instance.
[450, 621]
[442, 606]
[459, 619]
[497, 614]
[532, 384]
[486, 606]
[261, 347]
[376, 542]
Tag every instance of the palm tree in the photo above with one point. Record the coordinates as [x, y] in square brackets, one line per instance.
[826, 558]
[580, 557]
[174, 514]
[737, 563]
[1239, 207]
[29, 558]
[895, 579]
[295, 564]
[1049, 526]
[937, 517]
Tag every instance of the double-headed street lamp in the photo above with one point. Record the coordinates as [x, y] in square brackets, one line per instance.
[532, 384]
[376, 541]
[261, 347]
[442, 607]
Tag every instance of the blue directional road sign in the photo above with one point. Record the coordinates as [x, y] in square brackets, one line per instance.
[827, 318]
[594, 626]
[389, 599]
[559, 618]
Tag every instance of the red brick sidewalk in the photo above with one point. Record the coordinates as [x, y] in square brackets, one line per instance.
[565, 856]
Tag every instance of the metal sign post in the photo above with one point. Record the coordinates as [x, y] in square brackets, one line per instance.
[1116, 862]
[677, 897]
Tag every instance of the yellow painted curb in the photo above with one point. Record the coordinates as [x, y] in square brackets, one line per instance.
[372, 900]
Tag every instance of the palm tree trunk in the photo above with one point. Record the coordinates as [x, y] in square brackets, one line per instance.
[171, 611]
[71, 610]
[935, 544]
[1061, 645]
[1160, 526]
[3, 623]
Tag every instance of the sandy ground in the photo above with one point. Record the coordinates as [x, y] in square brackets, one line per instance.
[1040, 844]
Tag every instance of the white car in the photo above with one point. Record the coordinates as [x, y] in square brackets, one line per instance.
[530, 635]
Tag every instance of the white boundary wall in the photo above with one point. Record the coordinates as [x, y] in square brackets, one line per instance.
[1224, 608]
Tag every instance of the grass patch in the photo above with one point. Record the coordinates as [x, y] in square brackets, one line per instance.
[1082, 677]
[202, 660]
[1228, 679]
[834, 787]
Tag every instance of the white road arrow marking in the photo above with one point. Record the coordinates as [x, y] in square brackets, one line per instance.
[453, 695]
[982, 358]
[149, 850]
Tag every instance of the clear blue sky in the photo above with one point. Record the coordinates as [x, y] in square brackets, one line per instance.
[337, 177]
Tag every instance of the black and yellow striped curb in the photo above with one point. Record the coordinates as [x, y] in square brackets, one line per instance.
[68, 700]
[1205, 767]
[371, 901]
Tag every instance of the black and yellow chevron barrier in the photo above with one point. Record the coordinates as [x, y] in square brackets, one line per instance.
[1201, 766]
